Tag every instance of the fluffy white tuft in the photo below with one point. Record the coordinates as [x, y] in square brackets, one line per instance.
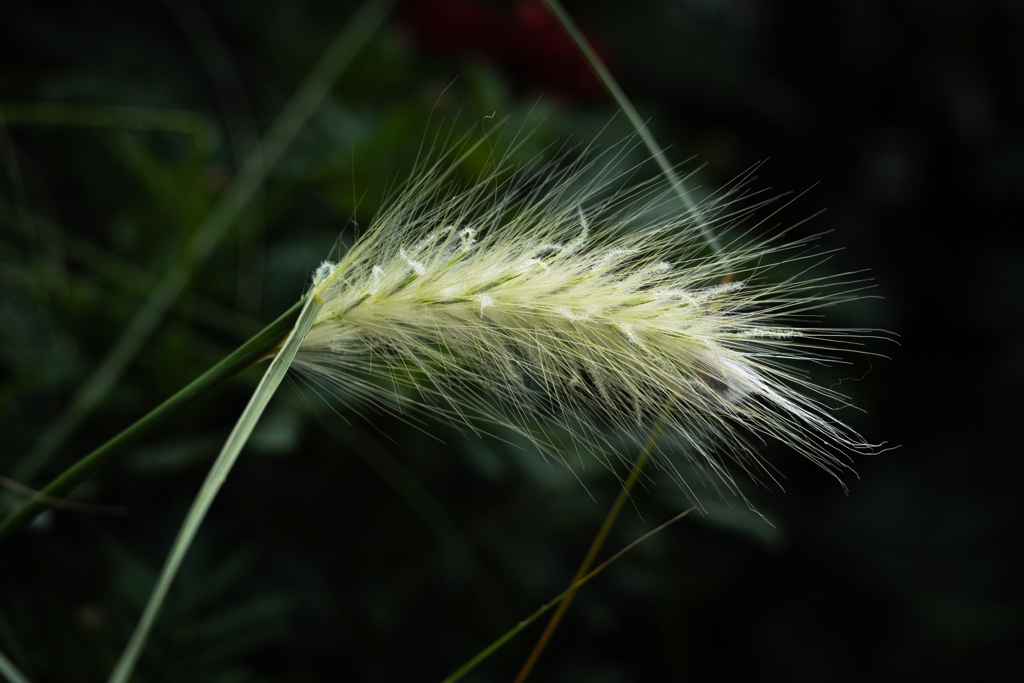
[574, 314]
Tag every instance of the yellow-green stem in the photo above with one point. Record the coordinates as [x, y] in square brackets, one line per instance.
[595, 547]
[493, 647]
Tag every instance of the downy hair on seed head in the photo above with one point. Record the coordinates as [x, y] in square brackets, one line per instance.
[578, 308]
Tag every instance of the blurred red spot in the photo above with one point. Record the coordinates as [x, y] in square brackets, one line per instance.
[522, 38]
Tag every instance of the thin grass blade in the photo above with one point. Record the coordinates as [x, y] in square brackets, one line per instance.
[10, 672]
[596, 544]
[214, 480]
[576, 585]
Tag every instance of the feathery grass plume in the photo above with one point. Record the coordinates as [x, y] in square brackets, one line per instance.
[557, 301]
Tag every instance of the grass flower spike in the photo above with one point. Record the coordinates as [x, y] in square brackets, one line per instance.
[558, 302]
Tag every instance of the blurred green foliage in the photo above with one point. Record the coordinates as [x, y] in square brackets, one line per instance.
[348, 545]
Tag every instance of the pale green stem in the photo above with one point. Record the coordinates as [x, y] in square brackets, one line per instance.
[170, 287]
[10, 672]
[10, 639]
[214, 480]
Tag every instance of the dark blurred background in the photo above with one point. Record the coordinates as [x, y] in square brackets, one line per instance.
[337, 553]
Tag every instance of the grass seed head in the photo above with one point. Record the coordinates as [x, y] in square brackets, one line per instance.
[570, 310]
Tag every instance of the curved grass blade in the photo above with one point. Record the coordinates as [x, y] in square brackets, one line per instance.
[10, 672]
[595, 546]
[493, 647]
[214, 480]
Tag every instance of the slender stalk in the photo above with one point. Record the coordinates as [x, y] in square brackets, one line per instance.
[576, 584]
[10, 639]
[60, 503]
[659, 156]
[235, 199]
[595, 547]
[10, 672]
[214, 480]
[627, 107]
[240, 359]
